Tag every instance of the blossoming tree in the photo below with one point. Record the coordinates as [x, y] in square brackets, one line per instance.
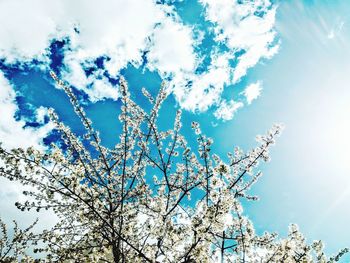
[149, 199]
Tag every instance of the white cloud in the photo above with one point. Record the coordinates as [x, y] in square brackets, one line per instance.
[103, 89]
[12, 133]
[206, 88]
[41, 113]
[226, 110]
[117, 29]
[96, 86]
[171, 50]
[238, 26]
[253, 91]
[26, 28]
[114, 29]
[122, 30]
[105, 27]
[240, 29]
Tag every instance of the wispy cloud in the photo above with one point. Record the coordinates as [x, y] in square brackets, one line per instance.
[226, 110]
[336, 30]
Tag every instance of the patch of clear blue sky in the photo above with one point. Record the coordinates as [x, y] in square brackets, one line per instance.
[305, 86]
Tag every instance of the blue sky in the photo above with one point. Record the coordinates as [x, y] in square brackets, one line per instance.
[235, 68]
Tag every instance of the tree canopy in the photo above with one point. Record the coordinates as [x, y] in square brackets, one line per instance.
[150, 198]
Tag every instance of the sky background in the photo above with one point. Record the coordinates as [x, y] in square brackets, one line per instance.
[235, 67]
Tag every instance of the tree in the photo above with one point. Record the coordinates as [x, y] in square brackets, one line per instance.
[13, 248]
[150, 198]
